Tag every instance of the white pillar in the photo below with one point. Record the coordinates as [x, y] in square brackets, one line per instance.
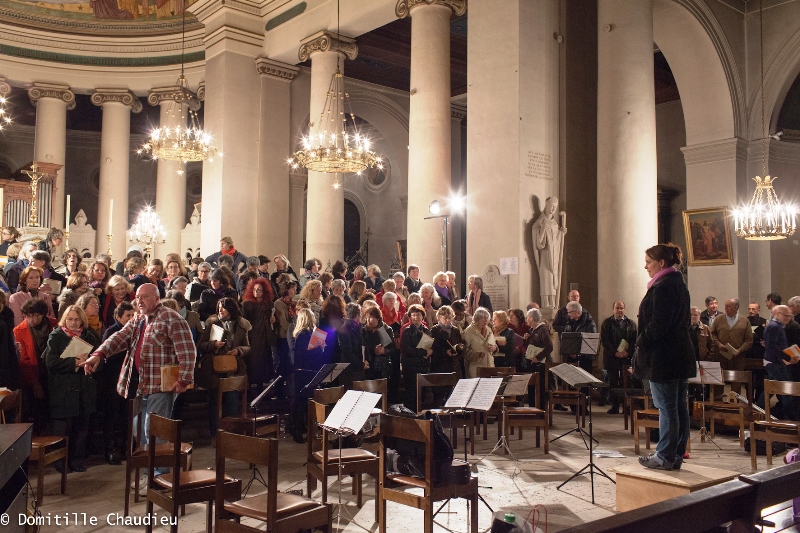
[626, 150]
[325, 205]
[429, 126]
[297, 188]
[170, 177]
[115, 141]
[52, 102]
[275, 147]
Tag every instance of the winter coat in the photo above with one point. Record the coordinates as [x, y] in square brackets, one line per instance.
[72, 393]
[207, 305]
[476, 350]
[29, 363]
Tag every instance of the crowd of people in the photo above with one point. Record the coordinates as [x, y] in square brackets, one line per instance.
[232, 314]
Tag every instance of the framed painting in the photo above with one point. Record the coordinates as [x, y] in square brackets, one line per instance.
[708, 236]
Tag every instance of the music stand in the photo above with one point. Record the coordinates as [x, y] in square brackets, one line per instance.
[708, 373]
[591, 467]
[578, 379]
[513, 385]
[326, 374]
[255, 473]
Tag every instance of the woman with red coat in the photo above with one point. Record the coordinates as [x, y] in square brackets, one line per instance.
[31, 335]
[257, 308]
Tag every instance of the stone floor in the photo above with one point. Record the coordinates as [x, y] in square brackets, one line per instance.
[505, 485]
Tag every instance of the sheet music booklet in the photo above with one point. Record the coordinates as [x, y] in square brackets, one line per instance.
[425, 343]
[532, 353]
[575, 376]
[351, 412]
[474, 393]
[708, 373]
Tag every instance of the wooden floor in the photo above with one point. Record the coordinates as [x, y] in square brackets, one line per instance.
[506, 485]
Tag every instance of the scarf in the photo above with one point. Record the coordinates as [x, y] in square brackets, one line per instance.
[474, 300]
[291, 309]
[95, 324]
[33, 292]
[660, 274]
[231, 252]
[182, 312]
[71, 333]
[40, 334]
[219, 292]
[442, 292]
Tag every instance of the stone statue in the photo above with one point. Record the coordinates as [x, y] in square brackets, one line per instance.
[548, 245]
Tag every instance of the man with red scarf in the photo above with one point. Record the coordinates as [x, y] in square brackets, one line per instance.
[226, 248]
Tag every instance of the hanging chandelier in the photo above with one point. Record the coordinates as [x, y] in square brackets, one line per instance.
[188, 141]
[330, 148]
[147, 230]
[765, 218]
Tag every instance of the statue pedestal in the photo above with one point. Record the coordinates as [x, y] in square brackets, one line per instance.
[548, 313]
[29, 233]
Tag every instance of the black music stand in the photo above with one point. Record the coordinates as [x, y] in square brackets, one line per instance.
[575, 343]
[326, 374]
[591, 467]
[255, 473]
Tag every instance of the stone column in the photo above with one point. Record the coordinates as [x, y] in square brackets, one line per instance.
[297, 218]
[115, 140]
[275, 147]
[324, 203]
[52, 102]
[626, 150]
[458, 185]
[170, 177]
[429, 125]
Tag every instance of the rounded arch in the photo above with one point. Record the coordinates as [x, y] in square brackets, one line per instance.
[692, 41]
[362, 210]
[780, 72]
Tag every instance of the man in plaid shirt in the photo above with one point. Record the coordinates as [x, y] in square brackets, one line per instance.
[156, 336]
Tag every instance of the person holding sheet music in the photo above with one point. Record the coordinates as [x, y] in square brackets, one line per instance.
[308, 359]
[415, 360]
[664, 353]
[618, 337]
[776, 362]
[579, 321]
[30, 286]
[479, 343]
[539, 337]
[72, 392]
[505, 340]
[351, 344]
[380, 351]
[732, 336]
[448, 344]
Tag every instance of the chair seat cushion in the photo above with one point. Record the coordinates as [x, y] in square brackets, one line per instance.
[163, 448]
[524, 412]
[407, 480]
[348, 454]
[190, 479]
[256, 506]
[564, 393]
[781, 426]
[647, 413]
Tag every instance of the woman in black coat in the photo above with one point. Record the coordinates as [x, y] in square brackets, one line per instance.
[351, 344]
[664, 353]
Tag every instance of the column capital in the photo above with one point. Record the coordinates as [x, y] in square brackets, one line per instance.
[734, 148]
[175, 93]
[123, 96]
[325, 41]
[458, 111]
[5, 88]
[52, 90]
[276, 69]
[404, 7]
[201, 91]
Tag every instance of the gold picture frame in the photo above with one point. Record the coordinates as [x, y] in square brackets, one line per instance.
[708, 236]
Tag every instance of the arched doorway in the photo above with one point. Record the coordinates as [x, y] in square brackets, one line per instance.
[352, 228]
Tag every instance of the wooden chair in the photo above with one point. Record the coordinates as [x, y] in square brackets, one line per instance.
[522, 417]
[495, 372]
[647, 419]
[324, 462]
[631, 397]
[246, 423]
[44, 450]
[454, 419]
[137, 454]
[395, 427]
[736, 412]
[177, 488]
[770, 430]
[328, 396]
[566, 397]
[381, 386]
[283, 512]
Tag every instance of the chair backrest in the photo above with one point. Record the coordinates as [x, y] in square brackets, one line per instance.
[254, 451]
[11, 400]
[329, 395]
[317, 413]
[495, 371]
[234, 383]
[739, 378]
[380, 386]
[444, 380]
[412, 429]
[168, 430]
[534, 382]
[134, 419]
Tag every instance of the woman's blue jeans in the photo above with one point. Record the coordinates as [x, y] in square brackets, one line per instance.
[673, 418]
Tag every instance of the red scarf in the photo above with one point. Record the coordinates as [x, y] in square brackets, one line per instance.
[71, 333]
[230, 252]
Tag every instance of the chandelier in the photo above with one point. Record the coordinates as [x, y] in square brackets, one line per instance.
[765, 218]
[331, 149]
[147, 230]
[5, 119]
[188, 141]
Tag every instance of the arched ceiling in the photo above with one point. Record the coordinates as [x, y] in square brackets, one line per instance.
[112, 18]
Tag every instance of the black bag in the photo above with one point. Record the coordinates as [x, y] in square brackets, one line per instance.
[761, 447]
[641, 364]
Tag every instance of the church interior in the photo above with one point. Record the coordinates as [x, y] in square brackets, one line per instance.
[640, 121]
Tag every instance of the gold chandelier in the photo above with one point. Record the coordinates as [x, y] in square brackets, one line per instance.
[765, 218]
[147, 230]
[331, 148]
[185, 142]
